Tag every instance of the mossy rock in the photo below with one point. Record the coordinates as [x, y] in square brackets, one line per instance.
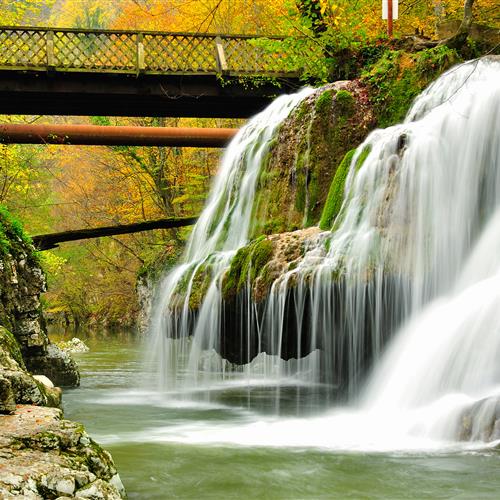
[13, 239]
[201, 281]
[9, 344]
[324, 102]
[302, 159]
[397, 78]
[336, 192]
[246, 265]
[335, 196]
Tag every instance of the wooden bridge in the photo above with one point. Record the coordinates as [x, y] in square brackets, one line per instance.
[125, 73]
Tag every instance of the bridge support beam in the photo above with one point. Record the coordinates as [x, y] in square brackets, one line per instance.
[115, 136]
[52, 240]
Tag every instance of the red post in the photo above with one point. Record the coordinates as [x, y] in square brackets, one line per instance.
[389, 18]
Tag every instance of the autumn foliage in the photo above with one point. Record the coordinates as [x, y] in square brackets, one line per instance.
[59, 188]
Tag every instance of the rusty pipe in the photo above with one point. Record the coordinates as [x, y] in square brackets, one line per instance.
[115, 136]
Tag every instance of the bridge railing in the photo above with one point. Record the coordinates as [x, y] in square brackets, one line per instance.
[148, 52]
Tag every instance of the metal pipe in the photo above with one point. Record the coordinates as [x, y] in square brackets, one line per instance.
[116, 136]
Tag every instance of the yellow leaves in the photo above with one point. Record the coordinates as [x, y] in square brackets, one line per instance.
[52, 263]
[85, 13]
[27, 12]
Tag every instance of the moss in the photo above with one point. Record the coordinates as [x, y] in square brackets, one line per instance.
[183, 284]
[336, 192]
[398, 77]
[345, 102]
[301, 111]
[51, 395]
[13, 239]
[295, 176]
[362, 157]
[44, 441]
[273, 226]
[246, 265]
[9, 343]
[301, 172]
[324, 103]
[201, 281]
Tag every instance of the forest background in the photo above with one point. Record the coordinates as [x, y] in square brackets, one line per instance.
[56, 188]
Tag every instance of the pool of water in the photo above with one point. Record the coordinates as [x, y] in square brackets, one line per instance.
[168, 447]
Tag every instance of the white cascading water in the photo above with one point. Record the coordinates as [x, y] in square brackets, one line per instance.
[417, 245]
[222, 228]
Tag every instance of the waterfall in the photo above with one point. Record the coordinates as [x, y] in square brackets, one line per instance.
[221, 230]
[412, 215]
[412, 260]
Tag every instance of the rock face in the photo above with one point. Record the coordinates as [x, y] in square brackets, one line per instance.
[17, 386]
[302, 161]
[43, 456]
[21, 283]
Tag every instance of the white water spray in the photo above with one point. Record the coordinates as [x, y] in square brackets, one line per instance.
[416, 245]
[222, 228]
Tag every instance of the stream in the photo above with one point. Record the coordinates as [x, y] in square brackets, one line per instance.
[162, 447]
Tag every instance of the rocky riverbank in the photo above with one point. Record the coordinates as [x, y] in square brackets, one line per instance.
[44, 456]
[41, 455]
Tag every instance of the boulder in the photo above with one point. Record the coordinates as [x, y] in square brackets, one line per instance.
[44, 456]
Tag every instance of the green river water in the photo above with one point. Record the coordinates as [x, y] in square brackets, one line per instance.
[147, 438]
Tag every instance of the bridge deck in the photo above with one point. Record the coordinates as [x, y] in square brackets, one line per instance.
[86, 72]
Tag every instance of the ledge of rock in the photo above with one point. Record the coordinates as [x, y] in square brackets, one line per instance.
[44, 456]
[481, 421]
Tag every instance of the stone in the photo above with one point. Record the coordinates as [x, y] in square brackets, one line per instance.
[44, 380]
[21, 283]
[44, 456]
[75, 345]
[7, 400]
[57, 365]
[17, 385]
[99, 490]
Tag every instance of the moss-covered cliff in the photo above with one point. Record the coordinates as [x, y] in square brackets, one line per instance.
[302, 160]
[21, 283]
[397, 78]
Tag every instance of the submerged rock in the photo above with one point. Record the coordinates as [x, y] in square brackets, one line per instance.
[44, 456]
[75, 345]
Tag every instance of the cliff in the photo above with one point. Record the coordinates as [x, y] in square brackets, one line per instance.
[42, 455]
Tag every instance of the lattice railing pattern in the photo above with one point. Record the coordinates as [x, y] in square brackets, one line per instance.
[135, 52]
[22, 47]
[94, 51]
[243, 56]
[179, 53]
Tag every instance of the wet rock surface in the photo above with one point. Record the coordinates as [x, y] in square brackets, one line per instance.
[481, 421]
[44, 456]
[303, 159]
